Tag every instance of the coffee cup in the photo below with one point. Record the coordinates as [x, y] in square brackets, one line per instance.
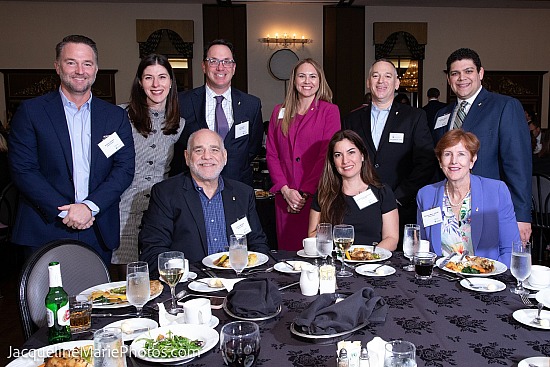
[423, 264]
[540, 276]
[310, 246]
[197, 311]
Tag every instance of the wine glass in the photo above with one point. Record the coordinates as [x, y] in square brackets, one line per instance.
[324, 239]
[520, 266]
[238, 252]
[137, 284]
[411, 241]
[400, 353]
[240, 343]
[343, 235]
[171, 267]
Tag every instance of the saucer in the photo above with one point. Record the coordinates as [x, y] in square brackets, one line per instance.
[496, 286]
[192, 275]
[302, 253]
[382, 272]
[528, 285]
[526, 316]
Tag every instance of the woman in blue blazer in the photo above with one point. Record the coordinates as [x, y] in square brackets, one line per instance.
[464, 211]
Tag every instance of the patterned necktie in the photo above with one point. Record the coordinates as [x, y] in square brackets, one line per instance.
[221, 126]
[460, 115]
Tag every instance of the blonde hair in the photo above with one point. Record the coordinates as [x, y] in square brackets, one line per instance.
[291, 103]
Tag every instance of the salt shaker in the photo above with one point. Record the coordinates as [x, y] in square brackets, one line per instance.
[343, 360]
[364, 360]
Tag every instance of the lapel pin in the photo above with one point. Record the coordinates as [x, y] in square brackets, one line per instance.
[239, 103]
[479, 104]
[396, 112]
[477, 209]
[233, 198]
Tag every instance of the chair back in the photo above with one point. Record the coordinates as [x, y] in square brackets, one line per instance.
[81, 268]
[8, 208]
[540, 200]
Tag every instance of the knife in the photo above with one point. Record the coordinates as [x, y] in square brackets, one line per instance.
[289, 285]
[446, 260]
[209, 273]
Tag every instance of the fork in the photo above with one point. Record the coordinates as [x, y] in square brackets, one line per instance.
[526, 301]
[374, 270]
[254, 271]
[472, 285]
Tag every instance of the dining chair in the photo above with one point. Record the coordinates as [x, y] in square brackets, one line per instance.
[81, 268]
[540, 210]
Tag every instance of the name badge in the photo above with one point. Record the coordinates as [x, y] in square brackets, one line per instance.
[431, 217]
[111, 144]
[241, 226]
[365, 199]
[441, 121]
[241, 129]
[281, 113]
[397, 138]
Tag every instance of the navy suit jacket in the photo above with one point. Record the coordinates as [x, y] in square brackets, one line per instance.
[493, 220]
[42, 169]
[431, 109]
[175, 220]
[405, 166]
[240, 151]
[498, 121]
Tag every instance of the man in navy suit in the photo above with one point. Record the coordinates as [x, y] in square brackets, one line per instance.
[196, 212]
[498, 121]
[242, 111]
[432, 107]
[71, 157]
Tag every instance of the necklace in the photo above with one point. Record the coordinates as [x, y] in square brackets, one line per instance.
[449, 196]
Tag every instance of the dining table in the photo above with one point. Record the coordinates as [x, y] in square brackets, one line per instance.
[449, 324]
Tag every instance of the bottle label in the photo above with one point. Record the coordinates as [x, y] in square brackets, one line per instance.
[50, 316]
[64, 315]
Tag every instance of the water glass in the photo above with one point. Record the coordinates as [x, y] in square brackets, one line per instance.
[240, 343]
[108, 351]
[411, 242]
[137, 285]
[171, 265]
[520, 266]
[324, 239]
[81, 313]
[400, 353]
[238, 252]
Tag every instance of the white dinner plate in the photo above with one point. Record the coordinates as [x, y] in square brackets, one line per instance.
[302, 253]
[36, 358]
[134, 324]
[497, 286]
[205, 333]
[202, 287]
[107, 286]
[544, 297]
[384, 254]
[209, 260]
[526, 316]
[531, 287]
[499, 269]
[381, 272]
[285, 268]
[537, 361]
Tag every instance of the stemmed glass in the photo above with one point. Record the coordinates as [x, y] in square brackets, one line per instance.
[240, 343]
[400, 353]
[520, 266]
[171, 267]
[238, 252]
[324, 239]
[343, 235]
[411, 241]
[137, 285]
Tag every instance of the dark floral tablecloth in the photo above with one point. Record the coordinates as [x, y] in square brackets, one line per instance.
[450, 325]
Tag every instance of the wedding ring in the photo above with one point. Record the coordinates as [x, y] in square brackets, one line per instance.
[295, 206]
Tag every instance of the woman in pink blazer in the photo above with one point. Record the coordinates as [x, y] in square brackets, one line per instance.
[297, 141]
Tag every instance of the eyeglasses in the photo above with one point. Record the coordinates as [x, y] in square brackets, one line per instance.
[215, 62]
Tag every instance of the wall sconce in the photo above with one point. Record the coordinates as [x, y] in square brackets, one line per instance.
[285, 40]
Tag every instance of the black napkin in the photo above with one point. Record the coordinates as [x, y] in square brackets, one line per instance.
[254, 298]
[325, 317]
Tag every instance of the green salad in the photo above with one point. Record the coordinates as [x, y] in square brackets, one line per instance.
[171, 346]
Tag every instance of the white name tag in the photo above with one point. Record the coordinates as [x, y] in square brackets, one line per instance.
[241, 226]
[431, 217]
[365, 199]
[397, 138]
[241, 129]
[111, 144]
[281, 113]
[441, 121]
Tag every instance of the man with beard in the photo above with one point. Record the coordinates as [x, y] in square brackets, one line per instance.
[196, 212]
[71, 157]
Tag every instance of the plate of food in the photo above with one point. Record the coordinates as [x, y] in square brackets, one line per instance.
[476, 266]
[207, 285]
[262, 194]
[113, 295]
[221, 260]
[174, 343]
[290, 266]
[365, 254]
[70, 351]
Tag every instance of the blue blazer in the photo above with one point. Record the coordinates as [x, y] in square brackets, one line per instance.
[505, 152]
[494, 224]
[241, 151]
[174, 220]
[42, 169]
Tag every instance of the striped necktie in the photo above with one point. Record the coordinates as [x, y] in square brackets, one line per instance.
[222, 126]
[460, 115]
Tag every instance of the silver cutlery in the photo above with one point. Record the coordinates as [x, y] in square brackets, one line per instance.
[374, 270]
[289, 285]
[135, 331]
[132, 314]
[526, 301]
[464, 253]
[537, 319]
[289, 264]
[446, 260]
[254, 271]
[205, 281]
[472, 285]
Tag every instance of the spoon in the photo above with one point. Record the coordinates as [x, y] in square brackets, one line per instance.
[537, 319]
[374, 270]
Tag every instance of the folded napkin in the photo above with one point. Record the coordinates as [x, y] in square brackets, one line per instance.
[324, 316]
[253, 298]
[230, 283]
[167, 319]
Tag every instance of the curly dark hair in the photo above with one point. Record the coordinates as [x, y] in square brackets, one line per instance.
[464, 53]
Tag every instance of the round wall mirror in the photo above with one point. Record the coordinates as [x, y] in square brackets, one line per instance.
[281, 63]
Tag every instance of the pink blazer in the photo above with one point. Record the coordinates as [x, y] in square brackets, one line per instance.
[297, 160]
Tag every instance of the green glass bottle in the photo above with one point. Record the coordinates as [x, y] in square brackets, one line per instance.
[57, 307]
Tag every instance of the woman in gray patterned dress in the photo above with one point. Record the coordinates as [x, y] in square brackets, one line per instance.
[156, 125]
